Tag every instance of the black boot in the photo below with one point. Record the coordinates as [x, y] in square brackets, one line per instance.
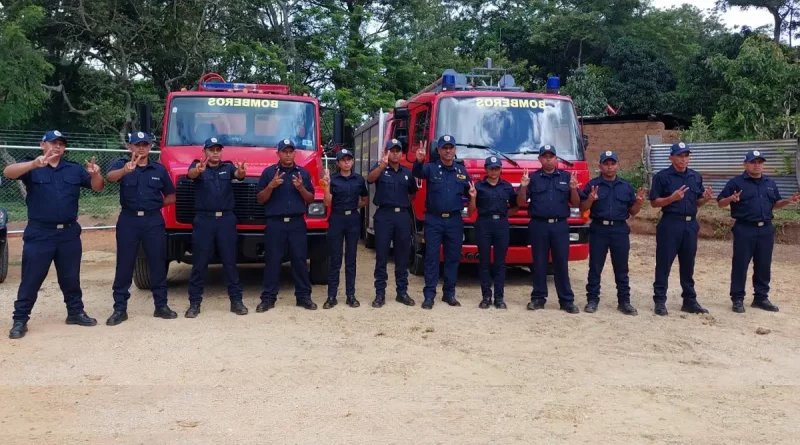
[405, 299]
[378, 302]
[18, 330]
[536, 304]
[693, 307]
[661, 309]
[307, 304]
[193, 311]
[486, 303]
[738, 306]
[352, 301]
[264, 306]
[451, 301]
[238, 308]
[627, 309]
[427, 304]
[591, 307]
[166, 313]
[764, 304]
[569, 307]
[500, 304]
[329, 303]
[81, 319]
[116, 318]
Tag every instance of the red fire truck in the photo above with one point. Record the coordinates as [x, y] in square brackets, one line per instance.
[489, 116]
[249, 119]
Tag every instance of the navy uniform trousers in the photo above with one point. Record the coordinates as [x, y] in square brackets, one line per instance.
[43, 245]
[552, 238]
[489, 233]
[447, 232]
[602, 240]
[751, 242]
[149, 230]
[675, 237]
[208, 231]
[347, 229]
[281, 235]
[392, 227]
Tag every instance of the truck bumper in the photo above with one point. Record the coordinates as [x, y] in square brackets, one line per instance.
[519, 251]
[249, 244]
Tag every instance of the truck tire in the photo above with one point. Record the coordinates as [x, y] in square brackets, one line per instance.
[369, 240]
[141, 273]
[319, 264]
[4, 263]
[416, 263]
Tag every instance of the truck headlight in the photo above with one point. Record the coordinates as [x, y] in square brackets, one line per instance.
[574, 212]
[574, 237]
[317, 209]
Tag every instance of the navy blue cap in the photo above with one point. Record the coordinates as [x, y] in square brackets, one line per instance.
[752, 155]
[284, 144]
[52, 135]
[210, 142]
[344, 152]
[492, 161]
[608, 155]
[392, 143]
[547, 149]
[135, 138]
[446, 140]
[678, 148]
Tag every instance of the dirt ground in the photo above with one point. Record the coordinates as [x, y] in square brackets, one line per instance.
[403, 375]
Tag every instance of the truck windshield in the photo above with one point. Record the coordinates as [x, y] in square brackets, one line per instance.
[516, 126]
[242, 121]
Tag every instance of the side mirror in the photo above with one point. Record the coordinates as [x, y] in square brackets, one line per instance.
[145, 118]
[404, 142]
[401, 113]
[338, 127]
[585, 141]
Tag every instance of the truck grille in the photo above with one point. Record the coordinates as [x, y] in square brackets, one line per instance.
[246, 208]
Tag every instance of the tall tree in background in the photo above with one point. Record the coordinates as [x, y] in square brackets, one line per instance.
[780, 10]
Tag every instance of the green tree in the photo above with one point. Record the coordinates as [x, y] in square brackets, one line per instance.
[780, 10]
[23, 68]
[643, 81]
[586, 86]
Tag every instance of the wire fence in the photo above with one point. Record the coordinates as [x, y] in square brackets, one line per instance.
[96, 209]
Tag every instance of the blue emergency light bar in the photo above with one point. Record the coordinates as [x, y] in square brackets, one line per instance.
[553, 85]
[250, 87]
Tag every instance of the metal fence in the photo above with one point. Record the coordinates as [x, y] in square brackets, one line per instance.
[96, 209]
[720, 161]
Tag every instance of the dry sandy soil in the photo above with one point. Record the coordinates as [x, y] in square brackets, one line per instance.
[403, 375]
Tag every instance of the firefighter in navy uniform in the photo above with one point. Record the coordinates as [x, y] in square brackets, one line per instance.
[214, 224]
[53, 233]
[285, 191]
[491, 197]
[144, 188]
[678, 191]
[612, 201]
[551, 193]
[752, 197]
[346, 193]
[448, 183]
[395, 188]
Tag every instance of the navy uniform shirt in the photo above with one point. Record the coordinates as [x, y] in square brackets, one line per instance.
[548, 194]
[494, 199]
[446, 186]
[212, 188]
[614, 198]
[393, 187]
[757, 199]
[667, 181]
[145, 187]
[346, 191]
[285, 199]
[53, 192]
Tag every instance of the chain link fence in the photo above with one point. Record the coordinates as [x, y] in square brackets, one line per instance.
[96, 209]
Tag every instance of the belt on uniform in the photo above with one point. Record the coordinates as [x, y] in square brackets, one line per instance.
[548, 220]
[344, 212]
[284, 218]
[754, 223]
[492, 216]
[608, 222]
[140, 212]
[45, 225]
[212, 213]
[680, 217]
[393, 209]
[448, 214]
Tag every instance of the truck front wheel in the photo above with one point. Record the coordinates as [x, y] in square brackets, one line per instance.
[4, 262]
[416, 263]
[318, 273]
[141, 273]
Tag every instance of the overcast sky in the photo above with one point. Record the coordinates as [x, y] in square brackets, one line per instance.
[752, 17]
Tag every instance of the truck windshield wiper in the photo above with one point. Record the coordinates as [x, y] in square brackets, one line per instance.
[486, 147]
